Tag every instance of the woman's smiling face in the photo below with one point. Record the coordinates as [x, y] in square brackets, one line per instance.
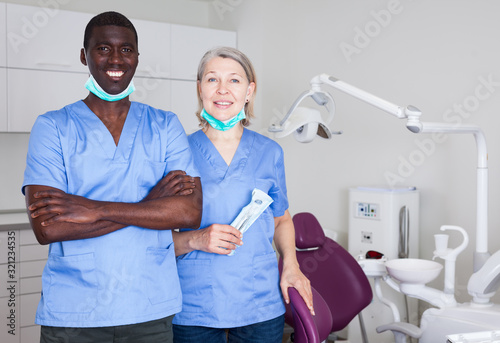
[224, 88]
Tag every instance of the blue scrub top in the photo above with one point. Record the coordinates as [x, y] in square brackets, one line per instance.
[230, 291]
[128, 276]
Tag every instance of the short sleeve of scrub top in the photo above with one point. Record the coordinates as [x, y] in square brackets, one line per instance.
[44, 163]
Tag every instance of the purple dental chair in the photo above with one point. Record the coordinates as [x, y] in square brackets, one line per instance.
[333, 273]
[306, 328]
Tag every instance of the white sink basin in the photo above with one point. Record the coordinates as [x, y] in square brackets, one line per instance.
[412, 270]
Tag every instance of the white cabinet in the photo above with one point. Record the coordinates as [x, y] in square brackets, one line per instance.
[3, 35]
[22, 261]
[151, 91]
[3, 99]
[185, 104]
[189, 44]
[3, 72]
[154, 49]
[43, 60]
[45, 38]
[34, 92]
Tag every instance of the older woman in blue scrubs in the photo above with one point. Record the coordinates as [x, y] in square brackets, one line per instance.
[235, 298]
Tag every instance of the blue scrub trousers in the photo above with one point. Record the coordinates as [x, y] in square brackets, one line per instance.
[157, 331]
[270, 331]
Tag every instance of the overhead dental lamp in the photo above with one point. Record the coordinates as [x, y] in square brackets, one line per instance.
[306, 124]
[289, 124]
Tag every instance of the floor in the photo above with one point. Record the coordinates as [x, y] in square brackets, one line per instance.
[286, 336]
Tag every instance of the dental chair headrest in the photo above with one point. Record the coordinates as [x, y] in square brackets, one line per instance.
[308, 231]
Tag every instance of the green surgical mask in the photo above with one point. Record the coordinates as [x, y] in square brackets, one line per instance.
[223, 125]
[94, 88]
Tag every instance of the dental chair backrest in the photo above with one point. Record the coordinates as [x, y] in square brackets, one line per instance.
[333, 272]
[306, 328]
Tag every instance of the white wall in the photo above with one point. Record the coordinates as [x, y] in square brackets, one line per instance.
[430, 54]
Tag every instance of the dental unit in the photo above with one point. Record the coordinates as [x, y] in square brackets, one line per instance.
[406, 275]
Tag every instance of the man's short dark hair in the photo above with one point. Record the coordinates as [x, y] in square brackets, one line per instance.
[104, 19]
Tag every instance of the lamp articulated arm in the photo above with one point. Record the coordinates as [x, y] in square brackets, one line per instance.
[412, 114]
[362, 95]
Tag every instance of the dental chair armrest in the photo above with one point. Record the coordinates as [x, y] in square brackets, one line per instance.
[405, 328]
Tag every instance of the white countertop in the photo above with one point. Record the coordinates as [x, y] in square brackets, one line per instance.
[13, 217]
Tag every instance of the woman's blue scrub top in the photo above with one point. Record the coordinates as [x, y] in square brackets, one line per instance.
[230, 291]
[128, 276]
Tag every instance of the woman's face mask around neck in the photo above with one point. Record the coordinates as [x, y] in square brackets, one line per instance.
[223, 125]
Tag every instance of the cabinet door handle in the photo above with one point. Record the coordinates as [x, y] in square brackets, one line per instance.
[53, 64]
[404, 232]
